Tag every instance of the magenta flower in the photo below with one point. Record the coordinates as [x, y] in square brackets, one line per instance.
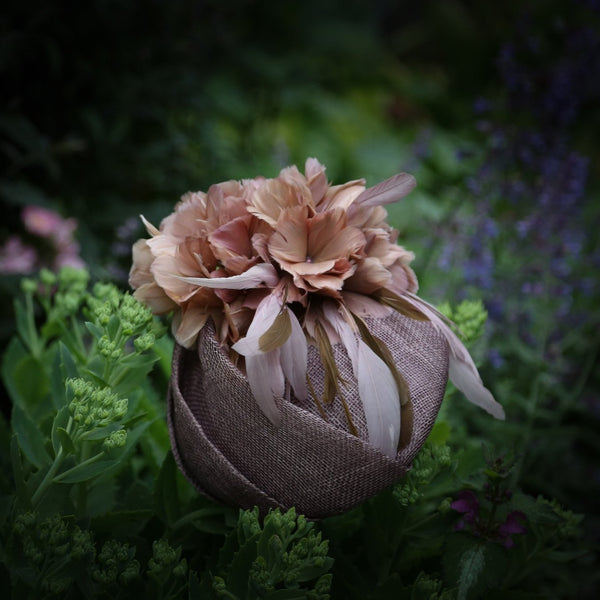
[512, 526]
[467, 503]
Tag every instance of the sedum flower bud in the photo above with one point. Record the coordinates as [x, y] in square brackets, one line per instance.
[117, 439]
[28, 285]
[144, 342]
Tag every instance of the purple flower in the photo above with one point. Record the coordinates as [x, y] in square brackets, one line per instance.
[17, 257]
[512, 526]
[468, 504]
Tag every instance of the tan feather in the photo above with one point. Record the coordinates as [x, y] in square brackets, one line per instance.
[332, 374]
[399, 304]
[277, 334]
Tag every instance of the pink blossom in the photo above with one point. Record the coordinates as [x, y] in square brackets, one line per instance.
[41, 221]
[17, 257]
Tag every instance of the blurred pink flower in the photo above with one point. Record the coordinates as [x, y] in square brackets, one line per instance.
[56, 235]
[42, 222]
[17, 257]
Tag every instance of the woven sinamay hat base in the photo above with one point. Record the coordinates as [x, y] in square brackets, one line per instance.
[231, 452]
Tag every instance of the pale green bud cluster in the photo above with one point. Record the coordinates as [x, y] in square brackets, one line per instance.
[29, 286]
[145, 341]
[166, 561]
[426, 586]
[134, 315]
[109, 348]
[115, 563]
[48, 278]
[470, 318]
[285, 552]
[72, 289]
[50, 547]
[406, 493]
[93, 406]
[431, 459]
[117, 439]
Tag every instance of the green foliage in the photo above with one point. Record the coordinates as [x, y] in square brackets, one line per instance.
[187, 94]
[282, 558]
[97, 507]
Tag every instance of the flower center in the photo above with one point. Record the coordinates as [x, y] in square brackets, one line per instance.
[308, 259]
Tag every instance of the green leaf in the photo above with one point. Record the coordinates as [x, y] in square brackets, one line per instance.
[112, 327]
[471, 565]
[57, 381]
[65, 440]
[60, 422]
[540, 514]
[94, 329]
[126, 522]
[84, 471]
[31, 439]
[67, 363]
[286, 595]
[99, 433]
[166, 498]
[14, 354]
[22, 322]
[25, 379]
[18, 473]
[440, 433]
[237, 576]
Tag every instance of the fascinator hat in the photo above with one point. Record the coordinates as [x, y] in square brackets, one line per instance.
[307, 371]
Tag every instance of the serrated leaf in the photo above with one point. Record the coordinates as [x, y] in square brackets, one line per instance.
[31, 439]
[470, 567]
[539, 513]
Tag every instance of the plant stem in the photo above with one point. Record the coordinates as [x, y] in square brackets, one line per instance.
[48, 478]
[89, 461]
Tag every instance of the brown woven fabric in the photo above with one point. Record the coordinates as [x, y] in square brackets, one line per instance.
[231, 452]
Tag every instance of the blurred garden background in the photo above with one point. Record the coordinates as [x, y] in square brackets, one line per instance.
[110, 109]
